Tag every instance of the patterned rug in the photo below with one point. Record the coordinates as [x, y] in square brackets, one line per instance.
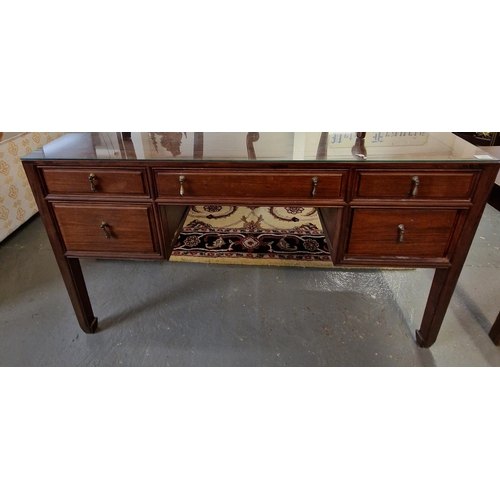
[253, 235]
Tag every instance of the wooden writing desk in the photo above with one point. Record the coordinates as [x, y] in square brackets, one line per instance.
[384, 199]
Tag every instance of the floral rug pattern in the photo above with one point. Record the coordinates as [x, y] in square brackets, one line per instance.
[257, 235]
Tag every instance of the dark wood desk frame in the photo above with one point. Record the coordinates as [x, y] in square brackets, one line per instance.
[349, 196]
[494, 201]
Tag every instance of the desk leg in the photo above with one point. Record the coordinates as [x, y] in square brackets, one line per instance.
[70, 268]
[442, 288]
[495, 331]
[440, 295]
[71, 272]
[445, 280]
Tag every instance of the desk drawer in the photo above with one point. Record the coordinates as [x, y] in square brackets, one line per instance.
[401, 232]
[101, 228]
[243, 186]
[95, 182]
[414, 185]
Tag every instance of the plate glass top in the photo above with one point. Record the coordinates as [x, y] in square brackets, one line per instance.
[261, 146]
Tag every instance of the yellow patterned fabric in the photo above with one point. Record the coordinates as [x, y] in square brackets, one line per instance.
[17, 204]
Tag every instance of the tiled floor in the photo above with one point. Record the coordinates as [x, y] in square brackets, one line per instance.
[182, 314]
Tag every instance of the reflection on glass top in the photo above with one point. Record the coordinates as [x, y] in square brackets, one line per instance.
[265, 146]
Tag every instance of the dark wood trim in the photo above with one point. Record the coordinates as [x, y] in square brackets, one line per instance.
[239, 183]
[480, 141]
[331, 222]
[495, 331]
[172, 222]
[70, 268]
[445, 280]
[494, 197]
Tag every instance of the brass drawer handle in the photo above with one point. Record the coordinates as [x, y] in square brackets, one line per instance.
[315, 183]
[401, 233]
[415, 181]
[181, 182]
[104, 225]
[92, 178]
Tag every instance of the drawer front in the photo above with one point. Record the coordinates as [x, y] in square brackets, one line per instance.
[96, 182]
[234, 185]
[414, 185]
[106, 228]
[401, 232]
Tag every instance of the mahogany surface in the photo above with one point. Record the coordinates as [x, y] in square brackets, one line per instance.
[106, 181]
[130, 228]
[452, 185]
[375, 232]
[384, 199]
